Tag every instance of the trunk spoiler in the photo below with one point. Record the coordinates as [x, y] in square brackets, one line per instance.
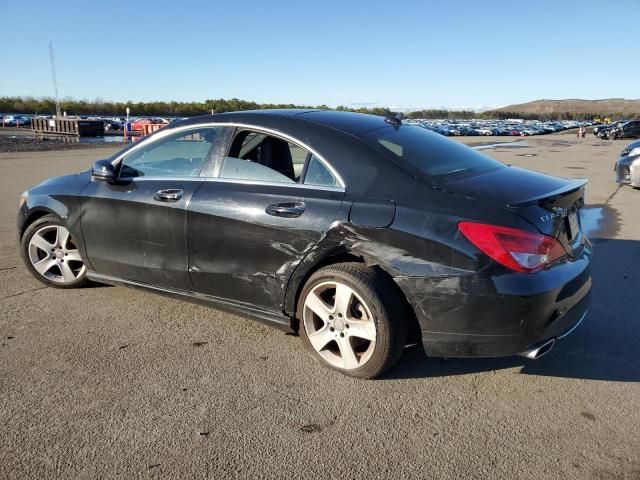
[571, 186]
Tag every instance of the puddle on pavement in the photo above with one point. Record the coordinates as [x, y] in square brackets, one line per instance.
[105, 139]
[591, 220]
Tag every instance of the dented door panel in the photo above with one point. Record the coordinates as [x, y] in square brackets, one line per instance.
[239, 251]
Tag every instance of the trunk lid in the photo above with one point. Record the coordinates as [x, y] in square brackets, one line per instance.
[550, 203]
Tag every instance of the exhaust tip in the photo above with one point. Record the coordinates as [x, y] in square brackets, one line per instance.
[537, 352]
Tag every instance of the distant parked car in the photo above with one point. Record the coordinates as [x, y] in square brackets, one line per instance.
[112, 125]
[625, 130]
[627, 167]
[139, 123]
[603, 130]
[16, 121]
[512, 127]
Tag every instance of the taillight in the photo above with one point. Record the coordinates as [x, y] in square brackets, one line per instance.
[516, 249]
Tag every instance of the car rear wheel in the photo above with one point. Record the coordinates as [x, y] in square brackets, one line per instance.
[352, 319]
[51, 254]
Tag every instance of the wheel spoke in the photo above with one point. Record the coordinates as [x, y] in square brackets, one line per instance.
[366, 330]
[73, 255]
[62, 237]
[40, 242]
[317, 305]
[349, 358]
[342, 299]
[44, 265]
[321, 338]
[67, 273]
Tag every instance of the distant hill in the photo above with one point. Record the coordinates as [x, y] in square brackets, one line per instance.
[609, 106]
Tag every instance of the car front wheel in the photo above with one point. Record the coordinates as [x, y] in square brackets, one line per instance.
[51, 254]
[352, 319]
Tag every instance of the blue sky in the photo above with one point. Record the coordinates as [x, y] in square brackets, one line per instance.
[390, 53]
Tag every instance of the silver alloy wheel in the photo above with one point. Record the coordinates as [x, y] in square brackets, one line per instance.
[53, 255]
[339, 325]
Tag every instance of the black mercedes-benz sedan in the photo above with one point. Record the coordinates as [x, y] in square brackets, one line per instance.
[361, 233]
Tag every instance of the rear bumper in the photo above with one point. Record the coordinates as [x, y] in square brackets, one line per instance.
[500, 314]
[470, 345]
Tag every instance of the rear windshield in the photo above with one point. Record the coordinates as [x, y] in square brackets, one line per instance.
[431, 153]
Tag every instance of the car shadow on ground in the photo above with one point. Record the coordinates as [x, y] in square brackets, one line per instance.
[92, 284]
[604, 347]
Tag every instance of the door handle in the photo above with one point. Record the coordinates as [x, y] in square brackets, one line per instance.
[170, 195]
[286, 209]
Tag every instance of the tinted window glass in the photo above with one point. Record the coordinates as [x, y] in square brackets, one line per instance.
[318, 174]
[181, 154]
[261, 157]
[431, 153]
[240, 169]
[299, 157]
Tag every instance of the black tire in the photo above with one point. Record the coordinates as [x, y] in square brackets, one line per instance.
[30, 231]
[382, 297]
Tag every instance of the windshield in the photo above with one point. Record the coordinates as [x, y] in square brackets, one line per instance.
[431, 153]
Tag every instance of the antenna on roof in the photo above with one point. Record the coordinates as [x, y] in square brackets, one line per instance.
[55, 82]
[395, 120]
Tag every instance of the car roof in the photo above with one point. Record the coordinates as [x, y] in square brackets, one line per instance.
[356, 124]
[353, 123]
[633, 145]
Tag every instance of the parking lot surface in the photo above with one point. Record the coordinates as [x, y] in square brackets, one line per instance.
[109, 382]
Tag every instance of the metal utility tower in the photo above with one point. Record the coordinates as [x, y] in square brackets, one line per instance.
[55, 82]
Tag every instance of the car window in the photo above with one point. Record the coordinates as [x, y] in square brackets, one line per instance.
[430, 153]
[318, 174]
[257, 156]
[180, 154]
[239, 169]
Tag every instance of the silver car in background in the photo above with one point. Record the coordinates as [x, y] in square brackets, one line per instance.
[628, 165]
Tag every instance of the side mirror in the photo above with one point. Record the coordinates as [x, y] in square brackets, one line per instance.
[103, 170]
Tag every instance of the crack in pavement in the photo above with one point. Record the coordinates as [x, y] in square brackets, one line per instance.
[613, 194]
[22, 293]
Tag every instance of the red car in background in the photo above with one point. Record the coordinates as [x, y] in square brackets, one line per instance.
[139, 123]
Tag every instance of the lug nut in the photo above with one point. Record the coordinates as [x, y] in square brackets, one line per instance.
[342, 335]
[331, 329]
[340, 315]
[330, 317]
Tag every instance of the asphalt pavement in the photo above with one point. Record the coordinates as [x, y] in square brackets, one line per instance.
[110, 382]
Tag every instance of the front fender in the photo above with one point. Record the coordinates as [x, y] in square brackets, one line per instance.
[57, 196]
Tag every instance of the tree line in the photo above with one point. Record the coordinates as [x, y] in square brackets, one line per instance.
[47, 106]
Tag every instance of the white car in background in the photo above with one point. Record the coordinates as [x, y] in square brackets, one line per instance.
[16, 121]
